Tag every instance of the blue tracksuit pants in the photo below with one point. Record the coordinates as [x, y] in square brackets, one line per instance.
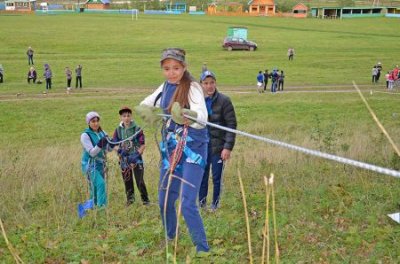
[97, 188]
[191, 175]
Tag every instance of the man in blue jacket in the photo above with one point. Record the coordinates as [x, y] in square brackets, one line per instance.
[220, 112]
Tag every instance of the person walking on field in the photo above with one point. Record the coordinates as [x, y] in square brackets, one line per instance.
[130, 155]
[220, 112]
[29, 53]
[32, 75]
[78, 76]
[183, 147]
[95, 144]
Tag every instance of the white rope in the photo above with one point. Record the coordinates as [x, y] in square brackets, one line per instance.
[320, 154]
[109, 140]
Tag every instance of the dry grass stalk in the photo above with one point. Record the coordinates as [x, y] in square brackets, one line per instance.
[246, 216]
[271, 182]
[266, 223]
[10, 247]
[177, 223]
[377, 120]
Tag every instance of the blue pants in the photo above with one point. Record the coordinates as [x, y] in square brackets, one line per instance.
[191, 174]
[216, 164]
[97, 188]
[274, 86]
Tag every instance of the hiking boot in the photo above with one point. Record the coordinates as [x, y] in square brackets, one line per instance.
[129, 202]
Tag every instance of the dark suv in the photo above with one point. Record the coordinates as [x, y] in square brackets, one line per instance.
[234, 43]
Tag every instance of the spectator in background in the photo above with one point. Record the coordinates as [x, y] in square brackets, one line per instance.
[47, 75]
[266, 77]
[387, 76]
[379, 67]
[374, 74]
[78, 76]
[290, 53]
[281, 81]
[260, 81]
[1, 73]
[396, 72]
[68, 75]
[274, 80]
[204, 67]
[32, 75]
[29, 53]
[391, 80]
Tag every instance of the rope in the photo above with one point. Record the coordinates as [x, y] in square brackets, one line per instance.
[109, 140]
[311, 152]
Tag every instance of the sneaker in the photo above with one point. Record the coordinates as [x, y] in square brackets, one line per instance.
[203, 254]
[213, 208]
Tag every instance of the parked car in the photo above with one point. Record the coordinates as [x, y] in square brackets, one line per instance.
[234, 43]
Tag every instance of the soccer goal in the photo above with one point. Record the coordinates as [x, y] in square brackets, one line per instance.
[135, 13]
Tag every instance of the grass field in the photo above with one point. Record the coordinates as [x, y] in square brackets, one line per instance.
[326, 212]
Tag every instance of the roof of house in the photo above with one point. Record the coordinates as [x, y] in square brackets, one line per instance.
[300, 6]
[261, 2]
[19, 1]
[104, 2]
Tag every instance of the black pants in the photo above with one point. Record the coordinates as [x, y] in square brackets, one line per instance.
[30, 59]
[33, 79]
[69, 83]
[265, 85]
[280, 85]
[1, 77]
[290, 57]
[374, 80]
[138, 171]
[48, 83]
[78, 79]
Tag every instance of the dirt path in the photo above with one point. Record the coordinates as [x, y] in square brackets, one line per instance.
[121, 92]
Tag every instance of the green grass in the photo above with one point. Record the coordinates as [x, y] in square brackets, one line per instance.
[326, 212]
[118, 52]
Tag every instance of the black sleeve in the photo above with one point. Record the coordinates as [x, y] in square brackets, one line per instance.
[230, 121]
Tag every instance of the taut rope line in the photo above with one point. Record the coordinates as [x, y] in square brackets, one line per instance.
[320, 154]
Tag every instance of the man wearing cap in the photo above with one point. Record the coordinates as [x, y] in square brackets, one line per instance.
[221, 112]
[130, 155]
